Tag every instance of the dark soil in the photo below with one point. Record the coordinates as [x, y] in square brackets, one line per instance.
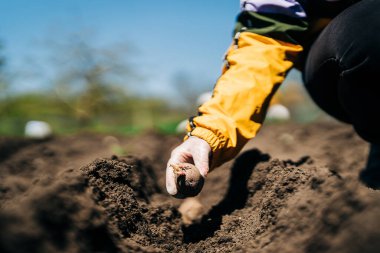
[294, 188]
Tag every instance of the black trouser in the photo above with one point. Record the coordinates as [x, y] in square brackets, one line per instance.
[342, 71]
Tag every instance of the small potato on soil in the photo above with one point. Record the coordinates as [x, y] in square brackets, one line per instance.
[188, 180]
[191, 210]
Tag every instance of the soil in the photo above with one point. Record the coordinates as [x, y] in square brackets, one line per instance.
[294, 188]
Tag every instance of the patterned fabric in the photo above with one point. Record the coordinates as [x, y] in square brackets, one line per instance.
[278, 19]
[289, 8]
[285, 20]
[300, 8]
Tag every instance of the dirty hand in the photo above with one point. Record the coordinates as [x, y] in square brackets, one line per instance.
[195, 151]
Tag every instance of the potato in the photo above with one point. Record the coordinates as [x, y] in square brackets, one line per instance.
[188, 180]
[191, 211]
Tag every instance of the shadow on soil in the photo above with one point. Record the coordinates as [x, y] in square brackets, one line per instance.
[235, 197]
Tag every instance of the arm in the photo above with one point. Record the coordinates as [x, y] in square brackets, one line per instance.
[263, 51]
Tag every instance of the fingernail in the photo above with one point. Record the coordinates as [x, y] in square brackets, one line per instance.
[203, 174]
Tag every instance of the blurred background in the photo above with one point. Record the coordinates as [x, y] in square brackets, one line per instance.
[118, 66]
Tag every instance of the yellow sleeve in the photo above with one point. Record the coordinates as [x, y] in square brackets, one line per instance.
[256, 66]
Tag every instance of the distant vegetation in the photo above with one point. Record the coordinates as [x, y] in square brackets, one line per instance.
[89, 92]
[127, 116]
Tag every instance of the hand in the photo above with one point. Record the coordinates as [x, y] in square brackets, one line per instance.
[195, 151]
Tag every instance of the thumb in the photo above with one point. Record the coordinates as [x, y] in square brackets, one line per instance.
[171, 186]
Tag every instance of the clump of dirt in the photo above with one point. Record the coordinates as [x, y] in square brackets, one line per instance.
[124, 188]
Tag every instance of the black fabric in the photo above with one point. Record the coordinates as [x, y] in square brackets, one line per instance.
[371, 174]
[342, 71]
[324, 8]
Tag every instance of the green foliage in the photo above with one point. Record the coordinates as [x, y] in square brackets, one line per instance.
[86, 77]
[130, 115]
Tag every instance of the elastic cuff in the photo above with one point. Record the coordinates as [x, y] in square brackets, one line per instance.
[214, 141]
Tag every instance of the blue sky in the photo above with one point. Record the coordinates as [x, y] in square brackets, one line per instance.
[170, 36]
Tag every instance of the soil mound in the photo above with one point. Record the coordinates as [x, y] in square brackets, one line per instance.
[288, 206]
[108, 209]
[53, 214]
[124, 188]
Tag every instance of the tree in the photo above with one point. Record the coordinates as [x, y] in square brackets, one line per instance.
[88, 78]
[189, 89]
